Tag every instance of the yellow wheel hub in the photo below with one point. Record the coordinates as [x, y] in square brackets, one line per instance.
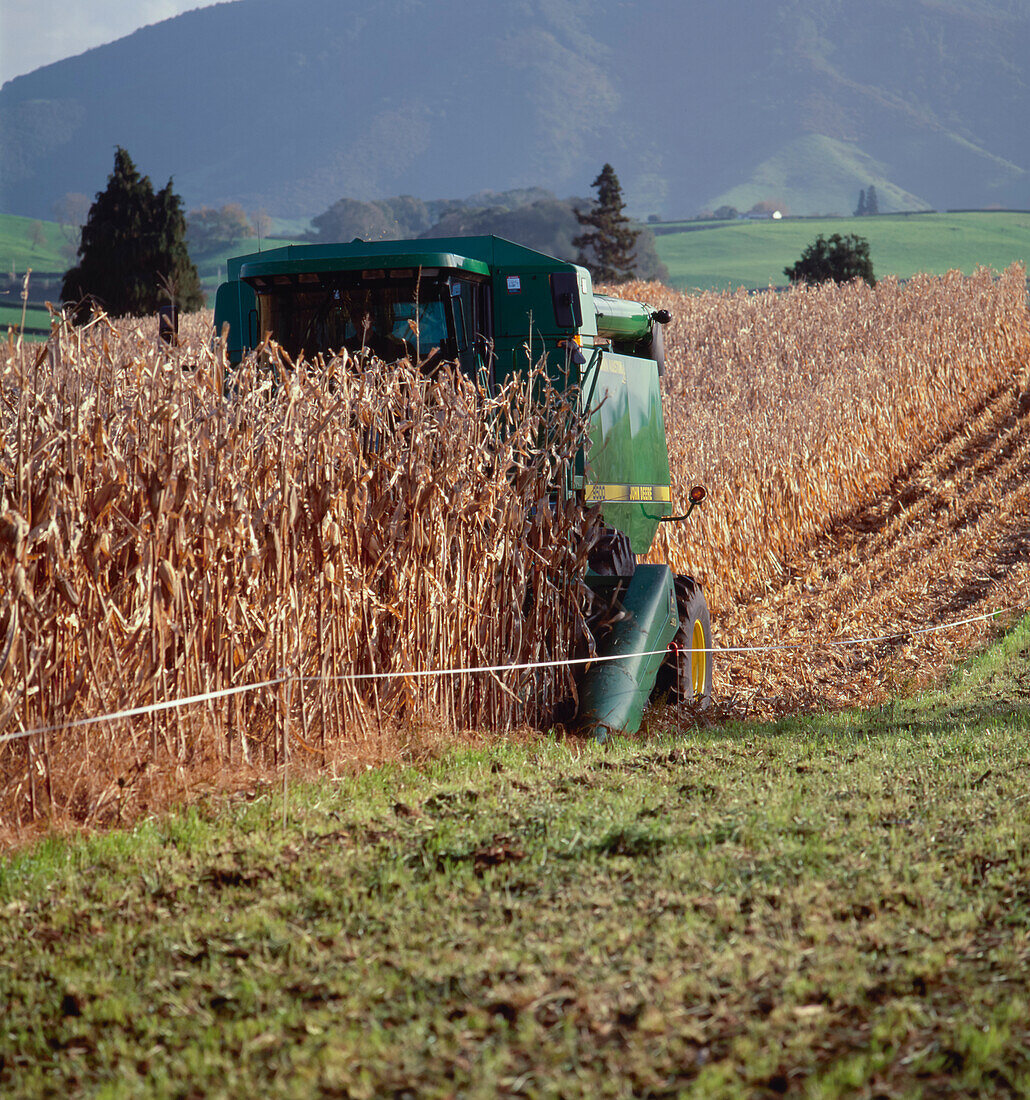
[698, 659]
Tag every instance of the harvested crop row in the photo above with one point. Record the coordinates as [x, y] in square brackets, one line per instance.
[160, 540]
[948, 541]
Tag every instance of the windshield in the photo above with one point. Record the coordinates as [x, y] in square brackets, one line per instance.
[392, 318]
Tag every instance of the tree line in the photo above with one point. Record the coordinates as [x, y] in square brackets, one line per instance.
[596, 234]
[134, 257]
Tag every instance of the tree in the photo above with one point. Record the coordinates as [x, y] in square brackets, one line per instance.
[726, 213]
[839, 258]
[170, 257]
[212, 230]
[770, 207]
[133, 248]
[860, 210]
[548, 225]
[262, 224]
[70, 213]
[350, 218]
[872, 203]
[607, 248]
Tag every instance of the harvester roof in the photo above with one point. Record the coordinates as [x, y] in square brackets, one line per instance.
[476, 255]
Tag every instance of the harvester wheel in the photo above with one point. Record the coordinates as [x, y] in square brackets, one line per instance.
[612, 555]
[686, 674]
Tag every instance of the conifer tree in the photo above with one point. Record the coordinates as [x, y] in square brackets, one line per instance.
[607, 248]
[872, 203]
[171, 259]
[860, 210]
[133, 242]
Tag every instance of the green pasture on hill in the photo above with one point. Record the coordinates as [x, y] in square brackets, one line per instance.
[830, 906]
[754, 253]
[27, 242]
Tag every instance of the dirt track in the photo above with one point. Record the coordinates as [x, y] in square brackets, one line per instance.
[949, 540]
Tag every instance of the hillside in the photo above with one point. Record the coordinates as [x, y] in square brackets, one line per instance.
[725, 255]
[822, 170]
[288, 105]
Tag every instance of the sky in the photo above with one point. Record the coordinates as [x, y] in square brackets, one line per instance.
[38, 32]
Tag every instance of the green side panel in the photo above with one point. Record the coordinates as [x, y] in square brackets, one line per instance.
[525, 329]
[235, 304]
[613, 694]
[627, 467]
[523, 304]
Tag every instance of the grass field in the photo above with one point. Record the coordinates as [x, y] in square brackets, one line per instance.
[834, 906]
[754, 254]
[34, 318]
[27, 242]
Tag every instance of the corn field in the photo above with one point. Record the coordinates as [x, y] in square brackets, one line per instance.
[163, 538]
[166, 532]
[794, 409]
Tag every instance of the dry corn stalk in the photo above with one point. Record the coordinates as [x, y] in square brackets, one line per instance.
[164, 535]
[796, 408]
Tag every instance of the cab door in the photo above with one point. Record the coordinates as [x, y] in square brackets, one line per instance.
[470, 304]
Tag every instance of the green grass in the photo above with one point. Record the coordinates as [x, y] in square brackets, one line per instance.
[754, 254]
[725, 255]
[27, 242]
[34, 318]
[833, 906]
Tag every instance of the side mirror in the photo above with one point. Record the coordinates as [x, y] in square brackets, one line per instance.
[565, 299]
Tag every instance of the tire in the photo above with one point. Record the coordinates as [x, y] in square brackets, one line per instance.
[686, 674]
[612, 555]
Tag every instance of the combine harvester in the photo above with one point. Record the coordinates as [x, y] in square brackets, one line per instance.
[475, 301]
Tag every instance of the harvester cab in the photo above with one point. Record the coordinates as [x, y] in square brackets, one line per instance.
[482, 302]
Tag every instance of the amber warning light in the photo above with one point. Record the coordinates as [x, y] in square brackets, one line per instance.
[697, 494]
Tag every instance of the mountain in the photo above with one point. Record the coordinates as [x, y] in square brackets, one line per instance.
[821, 172]
[288, 105]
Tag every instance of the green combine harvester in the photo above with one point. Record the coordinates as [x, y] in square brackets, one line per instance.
[478, 302]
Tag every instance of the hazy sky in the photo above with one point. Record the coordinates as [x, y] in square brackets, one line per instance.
[37, 32]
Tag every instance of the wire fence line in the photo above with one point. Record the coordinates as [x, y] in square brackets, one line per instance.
[223, 693]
